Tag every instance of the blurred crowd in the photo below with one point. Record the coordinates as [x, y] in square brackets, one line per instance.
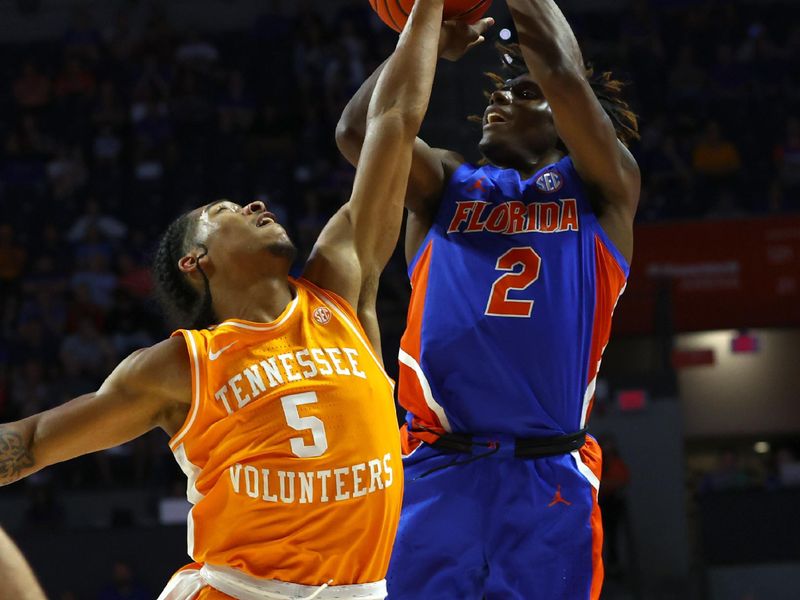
[108, 133]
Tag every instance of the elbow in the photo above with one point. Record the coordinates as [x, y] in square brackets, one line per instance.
[346, 134]
[349, 141]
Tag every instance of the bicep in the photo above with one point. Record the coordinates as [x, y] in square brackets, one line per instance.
[137, 397]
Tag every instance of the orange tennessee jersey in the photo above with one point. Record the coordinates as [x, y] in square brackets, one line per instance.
[291, 446]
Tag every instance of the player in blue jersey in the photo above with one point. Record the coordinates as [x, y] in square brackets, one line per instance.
[516, 266]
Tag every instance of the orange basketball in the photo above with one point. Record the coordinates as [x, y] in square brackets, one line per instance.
[395, 12]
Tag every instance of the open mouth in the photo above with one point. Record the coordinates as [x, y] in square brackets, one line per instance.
[495, 117]
[265, 219]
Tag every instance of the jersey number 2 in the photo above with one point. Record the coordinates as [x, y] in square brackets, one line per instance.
[499, 304]
[312, 424]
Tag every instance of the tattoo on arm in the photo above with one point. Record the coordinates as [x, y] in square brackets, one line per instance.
[15, 456]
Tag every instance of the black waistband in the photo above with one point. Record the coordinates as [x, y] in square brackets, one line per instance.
[523, 447]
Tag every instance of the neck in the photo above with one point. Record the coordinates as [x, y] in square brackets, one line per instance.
[261, 301]
[528, 165]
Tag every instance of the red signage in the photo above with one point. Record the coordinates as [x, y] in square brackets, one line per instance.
[732, 274]
[701, 357]
[632, 400]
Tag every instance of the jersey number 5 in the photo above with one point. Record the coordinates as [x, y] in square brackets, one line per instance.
[312, 424]
[499, 304]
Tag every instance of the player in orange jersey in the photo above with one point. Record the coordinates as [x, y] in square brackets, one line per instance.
[274, 394]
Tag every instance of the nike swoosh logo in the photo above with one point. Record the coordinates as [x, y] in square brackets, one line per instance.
[218, 353]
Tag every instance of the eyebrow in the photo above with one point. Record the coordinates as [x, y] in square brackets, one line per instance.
[207, 208]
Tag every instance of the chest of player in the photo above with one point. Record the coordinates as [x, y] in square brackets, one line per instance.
[500, 203]
[247, 368]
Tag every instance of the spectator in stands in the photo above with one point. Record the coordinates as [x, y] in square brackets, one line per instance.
[100, 280]
[613, 506]
[134, 278]
[75, 80]
[787, 159]
[687, 81]
[82, 39]
[94, 218]
[66, 172]
[123, 585]
[236, 107]
[30, 392]
[716, 161]
[12, 260]
[32, 88]
[87, 351]
[108, 111]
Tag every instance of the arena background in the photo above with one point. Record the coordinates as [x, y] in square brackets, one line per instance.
[116, 115]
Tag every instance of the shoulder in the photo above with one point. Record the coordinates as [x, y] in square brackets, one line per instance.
[161, 368]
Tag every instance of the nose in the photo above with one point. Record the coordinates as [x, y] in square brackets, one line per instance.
[501, 97]
[254, 207]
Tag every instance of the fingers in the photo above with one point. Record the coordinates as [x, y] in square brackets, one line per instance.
[483, 25]
[477, 42]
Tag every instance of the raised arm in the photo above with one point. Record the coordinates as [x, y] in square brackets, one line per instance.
[429, 166]
[150, 388]
[554, 61]
[358, 241]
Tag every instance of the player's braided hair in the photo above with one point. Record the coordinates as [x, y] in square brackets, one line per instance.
[607, 89]
[180, 301]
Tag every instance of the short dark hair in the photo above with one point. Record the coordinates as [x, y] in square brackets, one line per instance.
[182, 303]
[607, 89]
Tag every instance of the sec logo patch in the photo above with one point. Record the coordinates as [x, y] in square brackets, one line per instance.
[322, 315]
[549, 182]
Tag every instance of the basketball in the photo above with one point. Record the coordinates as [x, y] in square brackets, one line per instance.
[395, 12]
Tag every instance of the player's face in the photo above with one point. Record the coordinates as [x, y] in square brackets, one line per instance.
[235, 234]
[517, 125]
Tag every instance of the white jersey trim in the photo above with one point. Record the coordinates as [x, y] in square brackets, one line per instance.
[275, 325]
[412, 364]
[192, 493]
[589, 394]
[585, 471]
[244, 587]
[184, 585]
[195, 358]
[587, 398]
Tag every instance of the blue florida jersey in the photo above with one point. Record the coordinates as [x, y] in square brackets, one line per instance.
[513, 291]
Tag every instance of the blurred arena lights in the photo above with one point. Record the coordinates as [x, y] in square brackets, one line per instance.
[761, 447]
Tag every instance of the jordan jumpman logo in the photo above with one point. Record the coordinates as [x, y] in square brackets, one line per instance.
[558, 498]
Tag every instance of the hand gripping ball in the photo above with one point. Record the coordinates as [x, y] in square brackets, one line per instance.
[395, 12]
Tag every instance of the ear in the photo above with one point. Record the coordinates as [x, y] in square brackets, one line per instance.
[188, 264]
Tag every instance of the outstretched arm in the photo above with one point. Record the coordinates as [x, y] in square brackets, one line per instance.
[554, 60]
[357, 243]
[429, 166]
[146, 390]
